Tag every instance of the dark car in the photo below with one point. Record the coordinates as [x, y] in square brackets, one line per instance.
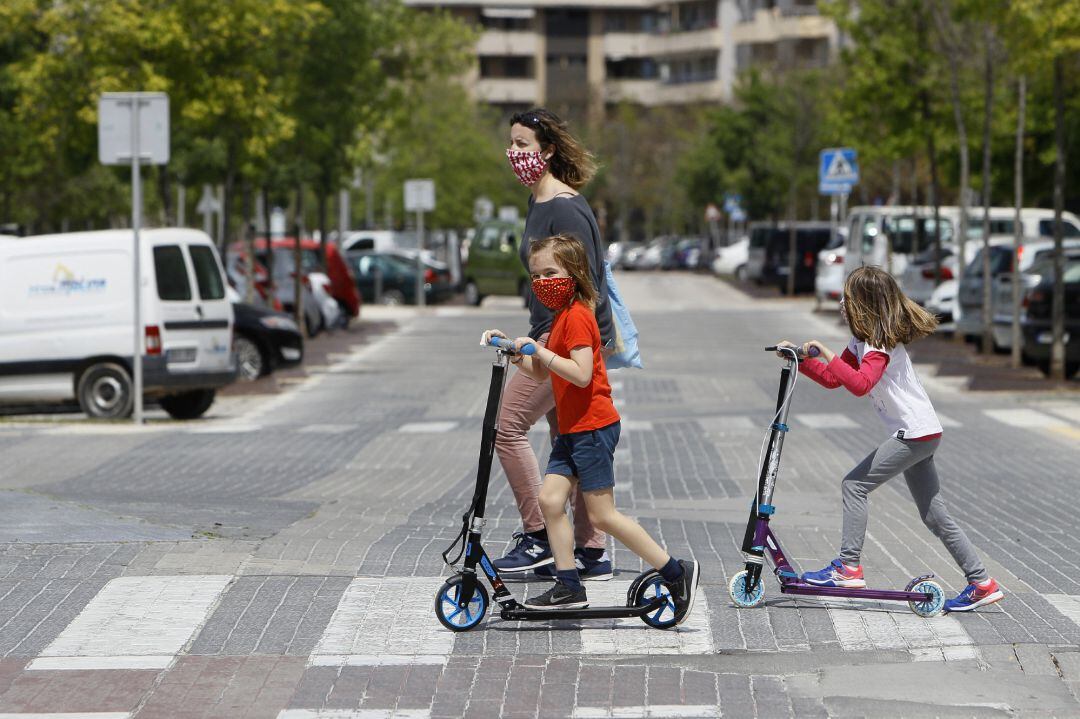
[264, 340]
[1035, 321]
[390, 279]
[810, 238]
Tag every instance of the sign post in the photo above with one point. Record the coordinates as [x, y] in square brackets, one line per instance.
[838, 172]
[419, 198]
[133, 127]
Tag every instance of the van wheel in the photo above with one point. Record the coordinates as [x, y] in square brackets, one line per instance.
[472, 294]
[251, 364]
[188, 405]
[104, 391]
[740, 273]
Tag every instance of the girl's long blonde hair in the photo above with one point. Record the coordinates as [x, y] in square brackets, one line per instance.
[571, 162]
[879, 313]
[570, 255]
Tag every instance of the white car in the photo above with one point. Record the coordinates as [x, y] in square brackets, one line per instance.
[943, 303]
[329, 308]
[829, 280]
[731, 260]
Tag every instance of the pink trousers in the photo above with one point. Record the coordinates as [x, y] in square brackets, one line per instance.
[524, 402]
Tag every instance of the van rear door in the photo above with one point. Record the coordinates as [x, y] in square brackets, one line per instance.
[213, 309]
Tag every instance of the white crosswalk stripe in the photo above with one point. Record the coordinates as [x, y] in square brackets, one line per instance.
[1067, 604]
[873, 626]
[134, 623]
[826, 420]
[1025, 418]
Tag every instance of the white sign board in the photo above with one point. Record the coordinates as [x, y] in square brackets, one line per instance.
[115, 137]
[483, 209]
[419, 195]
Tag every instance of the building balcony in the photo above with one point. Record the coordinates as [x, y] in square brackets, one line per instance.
[508, 42]
[656, 92]
[620, 45]
[773, 25]
[525, 91]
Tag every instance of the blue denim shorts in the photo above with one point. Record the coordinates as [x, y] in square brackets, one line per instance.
[589, 456]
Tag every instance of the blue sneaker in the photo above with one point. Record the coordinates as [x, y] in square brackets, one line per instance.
[528, 553]
[837, 574]
[975, 596]
[590, 570]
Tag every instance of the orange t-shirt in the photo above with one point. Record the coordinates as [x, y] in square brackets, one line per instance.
[580, 409]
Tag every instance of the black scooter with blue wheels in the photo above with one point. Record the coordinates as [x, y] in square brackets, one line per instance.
[462, 601]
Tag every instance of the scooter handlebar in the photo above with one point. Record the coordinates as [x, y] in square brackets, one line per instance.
[508, 346]
[814, 352]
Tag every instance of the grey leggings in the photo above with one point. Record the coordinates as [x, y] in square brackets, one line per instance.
[916, 460]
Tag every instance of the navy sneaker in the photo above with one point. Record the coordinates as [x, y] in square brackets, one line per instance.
[975, 596]
[559, 596]
[590, 570]
[528, 553]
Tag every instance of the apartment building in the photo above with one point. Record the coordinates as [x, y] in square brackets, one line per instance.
[579, 56]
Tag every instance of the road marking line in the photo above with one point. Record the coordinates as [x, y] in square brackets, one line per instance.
[725, 424]
[328, 428]
[426, 427]
[637, 425]
[1023, 418]
[224, 429]
[151, 617]
[391, 616]
[375, 660]
[866, 626]
[827, 420]
[1068, 605]
[655, 711]
[354, 714]
[1070, 412]
[632, 636]
[65, 715]
[98, 662]
[947, 422]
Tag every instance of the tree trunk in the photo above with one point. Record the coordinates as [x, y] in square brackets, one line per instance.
[988, 108]
[298, 275]
[165, 191]
[792, 241]
[1018, 228]
[323, 201]
[271, 285]
[247, 232]
[953, 53]
[1057, 312]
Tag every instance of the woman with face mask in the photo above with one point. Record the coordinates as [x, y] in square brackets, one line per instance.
[548, 160]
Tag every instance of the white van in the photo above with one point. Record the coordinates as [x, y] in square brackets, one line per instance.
[887, 236]
[66, 321]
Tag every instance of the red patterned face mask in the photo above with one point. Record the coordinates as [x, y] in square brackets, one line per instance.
[528, 166]
[554, 293]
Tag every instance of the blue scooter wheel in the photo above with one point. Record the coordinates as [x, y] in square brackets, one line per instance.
[453, 617]
[934, 605]
[646, 589]
[739, 595]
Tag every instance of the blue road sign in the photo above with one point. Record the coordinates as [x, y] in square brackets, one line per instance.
[838, 171]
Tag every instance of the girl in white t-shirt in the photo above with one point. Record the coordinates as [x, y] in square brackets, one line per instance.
[876, 364]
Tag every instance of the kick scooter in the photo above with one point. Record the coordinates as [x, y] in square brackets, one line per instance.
[462, 601]
[923, 594]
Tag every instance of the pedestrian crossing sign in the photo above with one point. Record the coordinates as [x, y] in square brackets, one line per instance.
[838, 171]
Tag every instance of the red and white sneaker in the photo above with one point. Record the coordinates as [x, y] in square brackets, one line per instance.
[837, 574]
[974, 596]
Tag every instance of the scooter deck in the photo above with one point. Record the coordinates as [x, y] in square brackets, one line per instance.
[522, 613]
[894, 595]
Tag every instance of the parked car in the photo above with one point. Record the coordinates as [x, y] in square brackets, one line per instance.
[758, 233]
[943, 303]
[917, 280]
[66, 322]
[688, 253]
[659, 254]
[1035, 320]
[263, 340]
[731, 260]
[829, 274]
[970, 322]
[342, 283]
[494, 266]
[810, 238]
[631, 256]
[369, 240]
[390, 279]
[277, 296]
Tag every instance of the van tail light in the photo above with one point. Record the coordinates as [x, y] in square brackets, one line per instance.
[808, 259]
[153, 340]
[429, 275]
[928, 273]
[834, 258]
[278, 307]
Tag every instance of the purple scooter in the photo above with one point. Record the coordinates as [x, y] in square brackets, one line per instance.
[923, 594]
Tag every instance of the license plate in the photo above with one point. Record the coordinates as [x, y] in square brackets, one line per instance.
[181, 355]
[290, 353]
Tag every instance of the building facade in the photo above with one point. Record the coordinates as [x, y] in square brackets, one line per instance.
[580, 56]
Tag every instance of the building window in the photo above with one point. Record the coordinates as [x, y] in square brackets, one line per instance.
[688, 17]
[629, 21]
[678, 71]
[632, 68]
[506, 66]
[495, 18]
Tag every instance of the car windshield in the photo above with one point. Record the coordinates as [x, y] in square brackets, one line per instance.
[1000, 261]
[926, 257]
[906, 235]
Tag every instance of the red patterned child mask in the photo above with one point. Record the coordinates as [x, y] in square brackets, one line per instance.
[554, 293]
[528, 166]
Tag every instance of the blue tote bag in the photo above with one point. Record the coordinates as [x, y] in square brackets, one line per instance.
[626, 335]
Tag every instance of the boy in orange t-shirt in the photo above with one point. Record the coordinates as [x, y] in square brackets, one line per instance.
[584, 451]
